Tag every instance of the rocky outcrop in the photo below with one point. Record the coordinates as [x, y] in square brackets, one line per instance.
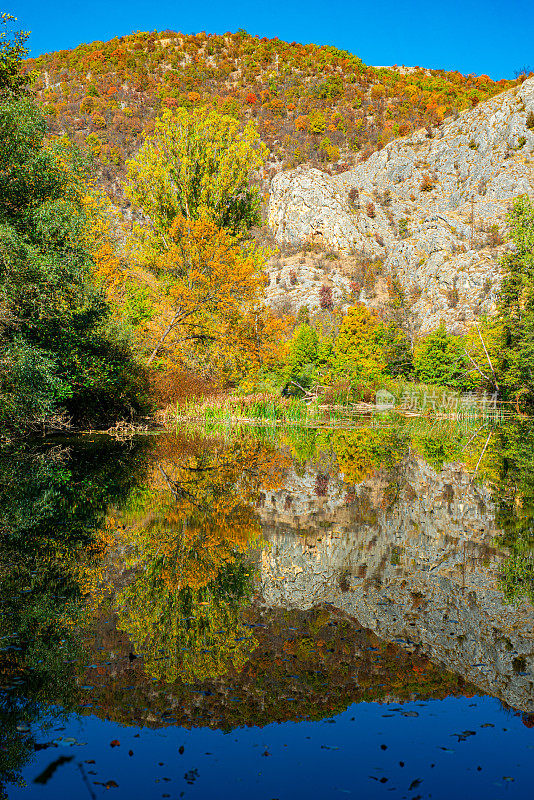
[420, 570]
[294, 285]
[424, 205]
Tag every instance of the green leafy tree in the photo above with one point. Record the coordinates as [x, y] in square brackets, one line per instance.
[302, 359]
[358, 354]
[58, 349]
[516, 307]
[12, 50]
[396, 348]
[440, 359]
[197, 163]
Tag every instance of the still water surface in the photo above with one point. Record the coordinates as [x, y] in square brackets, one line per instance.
[250, 613]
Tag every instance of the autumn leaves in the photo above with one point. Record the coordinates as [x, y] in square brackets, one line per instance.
[201, 281]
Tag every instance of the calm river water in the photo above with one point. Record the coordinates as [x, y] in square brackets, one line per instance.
[273, 615]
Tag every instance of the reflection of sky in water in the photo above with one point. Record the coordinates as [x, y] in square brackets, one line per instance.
[337, 757]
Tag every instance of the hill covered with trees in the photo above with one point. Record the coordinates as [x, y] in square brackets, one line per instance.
[311, 103]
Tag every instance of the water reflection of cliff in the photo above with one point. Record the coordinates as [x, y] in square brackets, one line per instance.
[398, 530]
[206, 650]
[413, 553]
[245, 579]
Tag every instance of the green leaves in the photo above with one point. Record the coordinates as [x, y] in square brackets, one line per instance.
[516, 307]
[357, 354]
[440, 360]
[12, 51]
[29, 385]
[57, 351]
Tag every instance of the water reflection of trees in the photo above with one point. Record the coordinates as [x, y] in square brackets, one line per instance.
[187, 534]
[172, 535]
[512, 453]
[51, 503]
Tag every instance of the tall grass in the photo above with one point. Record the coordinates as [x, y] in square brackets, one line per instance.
[411, 400]
[233, 408]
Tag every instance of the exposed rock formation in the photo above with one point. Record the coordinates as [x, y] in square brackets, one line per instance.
[294, 285]
[424, 204]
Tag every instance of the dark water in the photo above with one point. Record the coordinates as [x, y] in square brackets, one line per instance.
[268, 615]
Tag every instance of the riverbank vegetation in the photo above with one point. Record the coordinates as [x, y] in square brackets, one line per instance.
[359, 360]
[61, 355]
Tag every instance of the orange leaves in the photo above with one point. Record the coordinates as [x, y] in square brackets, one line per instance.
[185, 540]
[145, 67]
[107, 267]
[207, 289]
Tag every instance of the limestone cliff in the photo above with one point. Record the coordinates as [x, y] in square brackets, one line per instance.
[424, 205]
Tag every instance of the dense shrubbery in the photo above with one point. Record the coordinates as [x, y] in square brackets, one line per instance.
[357, 356]
[440, 359]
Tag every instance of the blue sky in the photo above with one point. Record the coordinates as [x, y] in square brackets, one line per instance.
[494, 37]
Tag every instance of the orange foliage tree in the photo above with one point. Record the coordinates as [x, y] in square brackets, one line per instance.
[206, 291]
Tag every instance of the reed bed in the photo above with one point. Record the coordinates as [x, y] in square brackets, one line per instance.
[273, 410]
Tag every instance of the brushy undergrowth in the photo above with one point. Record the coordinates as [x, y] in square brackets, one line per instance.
[411, 400]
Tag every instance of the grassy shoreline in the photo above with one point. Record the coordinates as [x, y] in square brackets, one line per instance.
[421, 402]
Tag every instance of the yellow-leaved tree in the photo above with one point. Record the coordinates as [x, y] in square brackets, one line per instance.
[207, 291]
[358, 355]
[197, 162]
[191, 181]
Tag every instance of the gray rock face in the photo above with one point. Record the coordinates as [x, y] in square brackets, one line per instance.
[285, 296]
[421, 205]
[421, 571]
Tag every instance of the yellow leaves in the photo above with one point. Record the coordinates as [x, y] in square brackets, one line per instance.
[192, 181]
[356, 452]
[196, 159]
[357, 354]
[107, 267]
[186, 540]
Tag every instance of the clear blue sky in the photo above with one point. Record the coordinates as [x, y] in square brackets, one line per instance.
[494, 37]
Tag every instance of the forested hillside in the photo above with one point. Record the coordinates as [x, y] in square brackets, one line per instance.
[311, 103]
